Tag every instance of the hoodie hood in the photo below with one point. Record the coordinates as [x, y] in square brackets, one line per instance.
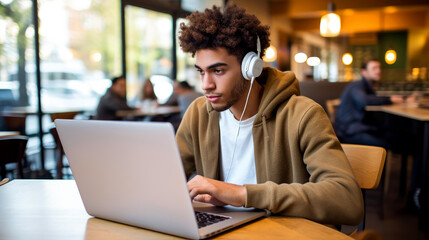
[278, 88]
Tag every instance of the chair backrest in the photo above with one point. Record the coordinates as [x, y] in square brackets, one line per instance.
[60, 153]
[367, 163]
[58, 145]
[322, 90]
[12, 150]
[53, 131]
[15, 123]
[63, 115]
[331, 108]
[57, 140]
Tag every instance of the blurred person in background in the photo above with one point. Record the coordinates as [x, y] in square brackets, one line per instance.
[147, 92]
[146, 99]
[113, 100]
[351, 124]
[185, 95]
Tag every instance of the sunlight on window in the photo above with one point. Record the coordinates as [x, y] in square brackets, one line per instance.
[163, 87]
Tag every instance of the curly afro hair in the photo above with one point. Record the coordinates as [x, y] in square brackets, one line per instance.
[233, 29]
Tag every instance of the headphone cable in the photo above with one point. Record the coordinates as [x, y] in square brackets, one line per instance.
[238, 130]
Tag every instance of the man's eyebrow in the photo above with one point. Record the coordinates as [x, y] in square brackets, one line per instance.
[212, 66]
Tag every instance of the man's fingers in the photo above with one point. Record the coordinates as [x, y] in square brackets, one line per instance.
[215, 192]
[206, 198]
[216, 202]
[202, 198]
[194, 182]
[194, 193]
[199, 185]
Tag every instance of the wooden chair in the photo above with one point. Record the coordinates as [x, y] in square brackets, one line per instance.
[58, 146]
[15, 123]
[12, 150]
[331, 108]
[367, 235]
[367, 163]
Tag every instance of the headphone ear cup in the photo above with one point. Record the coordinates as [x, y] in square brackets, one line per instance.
[257, 65]
[251, 66]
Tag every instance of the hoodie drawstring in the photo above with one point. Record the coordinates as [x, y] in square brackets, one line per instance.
[266, 136]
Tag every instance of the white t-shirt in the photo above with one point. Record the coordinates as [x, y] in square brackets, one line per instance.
[240, 169]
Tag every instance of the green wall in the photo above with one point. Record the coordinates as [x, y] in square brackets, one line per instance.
[397, 41]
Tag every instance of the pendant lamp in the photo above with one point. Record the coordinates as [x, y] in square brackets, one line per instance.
[330, 23]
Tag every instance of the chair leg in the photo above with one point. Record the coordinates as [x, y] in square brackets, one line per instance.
[361, 225]
[2, 172]
[20, 171]
[403, 176]
[382, 187]
[387, 170]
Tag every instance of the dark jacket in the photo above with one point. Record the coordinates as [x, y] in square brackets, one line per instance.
[350, 114]
[109, 104]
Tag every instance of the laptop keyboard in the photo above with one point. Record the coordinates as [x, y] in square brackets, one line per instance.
[205, 219]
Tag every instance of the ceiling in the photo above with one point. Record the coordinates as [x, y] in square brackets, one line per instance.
[357, 16]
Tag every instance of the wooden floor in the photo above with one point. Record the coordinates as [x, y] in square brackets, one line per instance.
[398, 222]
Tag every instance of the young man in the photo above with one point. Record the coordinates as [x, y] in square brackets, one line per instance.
[113, 100]
[280, 152]
[350, 123]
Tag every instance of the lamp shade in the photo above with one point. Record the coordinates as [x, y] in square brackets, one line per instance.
[330, 25]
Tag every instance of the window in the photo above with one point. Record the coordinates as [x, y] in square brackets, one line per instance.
[16, 52]
[185, 63]
[149, 44]
[79, 51]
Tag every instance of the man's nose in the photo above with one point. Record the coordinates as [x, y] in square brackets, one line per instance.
[208, 83]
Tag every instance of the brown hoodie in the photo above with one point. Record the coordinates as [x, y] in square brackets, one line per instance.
[301, 168]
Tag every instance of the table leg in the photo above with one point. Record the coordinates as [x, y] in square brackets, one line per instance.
[424, 198]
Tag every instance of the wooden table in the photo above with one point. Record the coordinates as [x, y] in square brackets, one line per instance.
[410, 110]
[8, 133]
[151, 112]
[32, 110]
[413, 112]
[52, 209]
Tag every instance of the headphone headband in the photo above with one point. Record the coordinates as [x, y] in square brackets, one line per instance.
[258, 46]
[251, 66]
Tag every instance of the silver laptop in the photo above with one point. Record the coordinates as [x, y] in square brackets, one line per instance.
[131, 172]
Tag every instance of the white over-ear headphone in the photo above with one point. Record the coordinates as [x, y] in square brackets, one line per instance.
[251, 66]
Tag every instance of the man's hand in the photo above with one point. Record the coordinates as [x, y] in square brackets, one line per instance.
[397, 99]
[218, 193]
[411, 99]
